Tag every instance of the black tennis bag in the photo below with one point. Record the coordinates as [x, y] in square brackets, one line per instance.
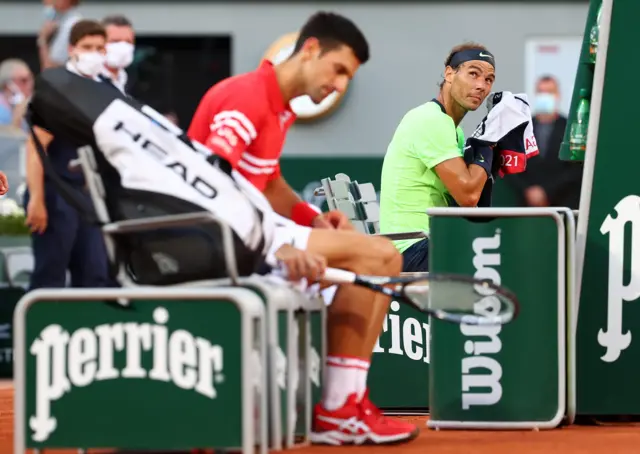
[148, 168]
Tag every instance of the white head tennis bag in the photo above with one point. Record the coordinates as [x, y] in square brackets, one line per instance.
[149, 168]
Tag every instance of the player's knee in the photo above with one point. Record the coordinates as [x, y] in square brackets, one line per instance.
[385, 258]
[392, 258]
[395, 263]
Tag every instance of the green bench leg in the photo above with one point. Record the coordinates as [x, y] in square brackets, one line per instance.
[284, 307]
[312, 320]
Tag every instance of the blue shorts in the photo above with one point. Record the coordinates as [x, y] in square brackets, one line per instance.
[416, 257]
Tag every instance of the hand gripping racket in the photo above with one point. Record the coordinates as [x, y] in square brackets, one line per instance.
[450, 297]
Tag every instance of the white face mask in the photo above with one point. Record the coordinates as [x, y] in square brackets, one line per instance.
[89, 64]
[16, 94]
[119, 54]
[49, 12]
[545, 103]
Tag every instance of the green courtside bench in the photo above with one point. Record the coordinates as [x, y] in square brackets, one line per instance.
[159, 367]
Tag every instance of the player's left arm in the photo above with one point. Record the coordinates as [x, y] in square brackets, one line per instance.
[282, 197]
[287, 203]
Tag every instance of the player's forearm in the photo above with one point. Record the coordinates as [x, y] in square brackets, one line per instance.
[464, 181]
[282, 197]
[470, 186]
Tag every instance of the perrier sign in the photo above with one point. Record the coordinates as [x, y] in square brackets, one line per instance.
[159, 375]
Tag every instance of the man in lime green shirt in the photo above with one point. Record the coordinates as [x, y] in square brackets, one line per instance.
[424, 165]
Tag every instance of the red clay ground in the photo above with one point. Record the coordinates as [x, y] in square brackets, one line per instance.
[569, 440]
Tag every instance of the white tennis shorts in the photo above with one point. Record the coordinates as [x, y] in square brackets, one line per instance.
[288, 232]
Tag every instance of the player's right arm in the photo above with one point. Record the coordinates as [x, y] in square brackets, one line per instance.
[436, 146]
[465, 183]
[227, 122]
[36, 209]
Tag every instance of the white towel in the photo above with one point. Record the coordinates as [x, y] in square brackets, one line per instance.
[278, 276]
[508, 113]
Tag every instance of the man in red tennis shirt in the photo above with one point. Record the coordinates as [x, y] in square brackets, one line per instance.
[244, 119]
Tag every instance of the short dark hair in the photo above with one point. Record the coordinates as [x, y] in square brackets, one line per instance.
[548, 78]
[85, 28]
[459, 48]
[332, 31]
[118, 20]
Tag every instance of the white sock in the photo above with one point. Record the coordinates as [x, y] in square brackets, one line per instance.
[361, 379]
[342, 380]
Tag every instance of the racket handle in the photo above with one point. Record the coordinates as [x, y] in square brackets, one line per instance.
[339, 276]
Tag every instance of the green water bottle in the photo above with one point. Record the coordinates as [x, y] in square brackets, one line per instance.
[578, 132]
[594, 37]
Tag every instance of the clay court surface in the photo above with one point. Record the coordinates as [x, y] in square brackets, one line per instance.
[568, 440]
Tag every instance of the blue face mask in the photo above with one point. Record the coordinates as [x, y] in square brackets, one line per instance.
[49, 12]
[545, 103]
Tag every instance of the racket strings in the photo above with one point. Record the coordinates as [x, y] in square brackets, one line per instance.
[475, 302]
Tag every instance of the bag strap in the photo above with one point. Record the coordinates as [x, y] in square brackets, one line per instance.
[70, 194]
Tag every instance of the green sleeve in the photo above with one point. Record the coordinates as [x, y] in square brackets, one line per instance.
[434, 138]
[460, 138]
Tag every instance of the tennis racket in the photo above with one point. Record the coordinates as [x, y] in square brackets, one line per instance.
[449, 297]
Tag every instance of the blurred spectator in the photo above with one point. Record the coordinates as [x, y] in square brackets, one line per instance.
[120, 49]
[53, 38]
[61, 238]
[16, 85]
[548, 181]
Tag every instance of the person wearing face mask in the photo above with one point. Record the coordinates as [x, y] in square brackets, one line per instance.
[120, 49]
[548, 180]
[61, 239]
[16, 85]
[53, 39]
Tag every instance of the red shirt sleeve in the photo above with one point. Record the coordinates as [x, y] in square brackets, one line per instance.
[276, 173]
[230, 124]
